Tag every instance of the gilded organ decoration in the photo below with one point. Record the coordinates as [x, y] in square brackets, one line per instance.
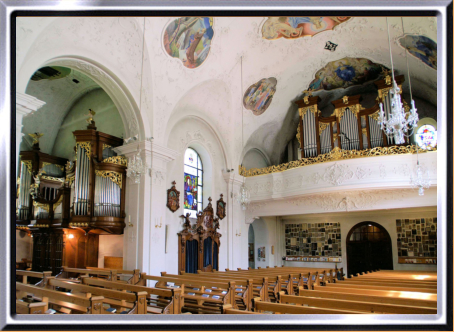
[335, 154]
[293, 27]
[114, 176]
[117, 160]
[86, 146]
[36, 137]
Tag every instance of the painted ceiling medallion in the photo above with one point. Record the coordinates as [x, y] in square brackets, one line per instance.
[189, 39]
[425, 49]
[259, 95]
[292, 27]
[346, 72]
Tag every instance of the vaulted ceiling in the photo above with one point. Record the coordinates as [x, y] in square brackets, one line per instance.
[240, 53]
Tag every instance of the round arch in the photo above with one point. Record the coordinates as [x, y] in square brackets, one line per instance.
[369, 247]
[134, 122]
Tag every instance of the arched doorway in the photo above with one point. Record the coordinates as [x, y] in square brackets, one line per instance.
[369, 247]
[251, 241]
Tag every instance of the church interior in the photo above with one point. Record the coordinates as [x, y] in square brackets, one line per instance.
[226, 165]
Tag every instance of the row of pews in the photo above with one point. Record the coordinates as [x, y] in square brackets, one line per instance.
[278, 290]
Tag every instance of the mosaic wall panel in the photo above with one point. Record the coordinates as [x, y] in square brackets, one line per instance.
[417, 237]
[313, 240]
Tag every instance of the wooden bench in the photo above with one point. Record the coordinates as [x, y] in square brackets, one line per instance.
[356, 305]
[34, 308]
[390, 297]
[159, 301]
[383, 288]
[122, 274]
[32, 274]
[278, 308]
[199, 297]
[69, 272]
[75, 303]
[134, 303]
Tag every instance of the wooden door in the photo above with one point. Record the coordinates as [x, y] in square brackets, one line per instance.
[368, 248]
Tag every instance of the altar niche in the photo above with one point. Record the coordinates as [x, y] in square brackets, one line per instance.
[198, 244]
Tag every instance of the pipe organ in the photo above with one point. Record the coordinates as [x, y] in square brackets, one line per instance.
[349, 127]
[65, 205]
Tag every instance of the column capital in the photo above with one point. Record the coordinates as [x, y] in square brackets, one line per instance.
[26, 104]
[233, 178]
[158, 151]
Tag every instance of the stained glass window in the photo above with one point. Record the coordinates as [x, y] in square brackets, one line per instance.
[193, 182]
[426, 136]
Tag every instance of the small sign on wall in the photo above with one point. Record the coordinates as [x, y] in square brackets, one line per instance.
[261, 253]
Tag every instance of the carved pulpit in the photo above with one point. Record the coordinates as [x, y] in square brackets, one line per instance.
[198, 244]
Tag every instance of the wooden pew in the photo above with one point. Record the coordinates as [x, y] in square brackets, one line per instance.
[383, 288]
[39, 275]
[357, 305]
[200, 297]
[165, 301]
[134, 303]
[67, 272]
[390, 297]
[135, 274]
[228, 310]
[34, 308]
[387, 283]
[278, 308]
[80, 304]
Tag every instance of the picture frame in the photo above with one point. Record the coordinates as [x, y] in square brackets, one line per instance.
[173, 198]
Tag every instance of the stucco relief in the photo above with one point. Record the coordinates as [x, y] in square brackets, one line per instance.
[351, 200]
[157, 177]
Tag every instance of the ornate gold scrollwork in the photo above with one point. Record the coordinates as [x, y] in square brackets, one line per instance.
[339, 112]
[304, 110]
[345, 100]
[384, 92]
[323, 125]
[364, 130]
[86, 146]
[41, 206]
[28, 164]
[51, 178]
[106, 146]
[375, 115]
[298, 136]
[70, 180]
[117, 160]
[335, 135]
[59, 166]
[335, 154]
[114, 176]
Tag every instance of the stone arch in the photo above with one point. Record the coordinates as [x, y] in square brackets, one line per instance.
[122, 98]
[255, 158]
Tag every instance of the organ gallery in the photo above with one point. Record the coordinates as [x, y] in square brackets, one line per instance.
[215, 165]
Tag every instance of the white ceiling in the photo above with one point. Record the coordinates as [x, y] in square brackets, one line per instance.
[215, 88]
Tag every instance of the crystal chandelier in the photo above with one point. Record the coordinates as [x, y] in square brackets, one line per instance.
[243, 195]
[136, 168]
[419, 181]
[396, 122]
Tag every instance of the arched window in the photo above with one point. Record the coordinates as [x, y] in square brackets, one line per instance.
[193, 182]
[426, 133]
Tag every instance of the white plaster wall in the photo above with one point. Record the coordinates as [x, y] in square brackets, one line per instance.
[24, 246]
[347, 220]
[254, 159]
[107, 120]
[191, 132]
[109, 245]
[265, 230]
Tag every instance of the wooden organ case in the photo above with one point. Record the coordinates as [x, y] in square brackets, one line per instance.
[349, 127]
[66, 205]
[198, 245]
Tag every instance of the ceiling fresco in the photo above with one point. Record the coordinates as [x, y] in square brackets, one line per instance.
[346, 72]
[259, 95]
[423, 48]
[189, 39]
[293, 27]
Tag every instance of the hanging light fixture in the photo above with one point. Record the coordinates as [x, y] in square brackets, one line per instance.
[396, 122]
[243, 196]
[136, 166]
[419, 181]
